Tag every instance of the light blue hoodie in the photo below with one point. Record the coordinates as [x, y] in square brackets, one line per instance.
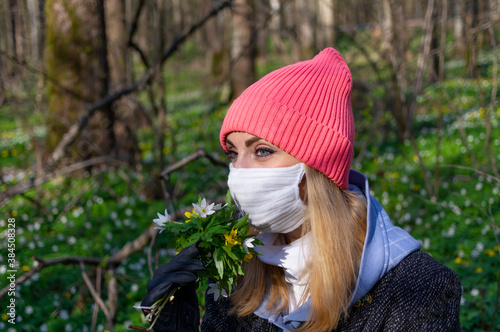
[385, 246]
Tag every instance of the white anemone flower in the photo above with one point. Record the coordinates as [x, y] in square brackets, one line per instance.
[162, 220]
[214, 289]
[219, 206]
[248, 244]
[203, 210]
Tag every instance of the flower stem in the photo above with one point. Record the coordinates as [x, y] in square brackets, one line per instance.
[156, 310]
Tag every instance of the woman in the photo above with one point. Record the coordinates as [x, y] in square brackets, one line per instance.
[331, 260]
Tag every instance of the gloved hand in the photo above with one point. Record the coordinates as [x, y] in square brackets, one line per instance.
[181, 314]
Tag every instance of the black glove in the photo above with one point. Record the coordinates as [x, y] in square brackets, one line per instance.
[181, 314]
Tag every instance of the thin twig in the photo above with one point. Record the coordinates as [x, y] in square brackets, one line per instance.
[96, 308]
[93, 291]
[190, 158]
[442, 47]
[474, 170]
[487, 140]
[150, 254]
[133, 29]
[132, 247]
[412, 104]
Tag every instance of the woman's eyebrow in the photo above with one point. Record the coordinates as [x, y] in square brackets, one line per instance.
[251, 141]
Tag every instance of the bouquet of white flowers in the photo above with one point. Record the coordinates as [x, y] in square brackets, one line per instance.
[223, 240]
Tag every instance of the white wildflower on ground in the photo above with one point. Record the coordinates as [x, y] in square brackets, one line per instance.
[63, 314]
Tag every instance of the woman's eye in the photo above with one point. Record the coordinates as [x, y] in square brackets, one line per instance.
[264, 152]
[232, 154]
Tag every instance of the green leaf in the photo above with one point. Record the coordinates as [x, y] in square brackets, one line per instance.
[218, 260]
[228, 198]
[206, 238]
[241, 222]
[240, 270]
[193, 238]
[184, 243]
[211, 223]
[243, 230]
[230, 254]
[219, 230]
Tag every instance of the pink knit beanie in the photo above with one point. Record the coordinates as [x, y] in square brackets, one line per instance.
[305, 109]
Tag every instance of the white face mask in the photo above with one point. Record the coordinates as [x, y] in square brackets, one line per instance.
[270, 196]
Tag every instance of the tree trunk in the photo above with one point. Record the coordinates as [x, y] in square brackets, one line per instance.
[305, 33]
[12, 34]
[325, 29]
[242, 48]
[386, 18]
[12, 21]
[215, 53]
[435, 42]
[36, 19]
[76, 59]
[118, 59]
[472, 44]
[289, 20]
[458, 27]
[4, 45]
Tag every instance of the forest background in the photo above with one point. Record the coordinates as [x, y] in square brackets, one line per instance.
[110, 112]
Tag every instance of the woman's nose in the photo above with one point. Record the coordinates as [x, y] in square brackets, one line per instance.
[241, 162]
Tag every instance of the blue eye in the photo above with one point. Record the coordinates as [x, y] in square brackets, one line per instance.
[264, 152]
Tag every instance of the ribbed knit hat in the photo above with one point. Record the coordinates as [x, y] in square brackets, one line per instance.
[305, 109]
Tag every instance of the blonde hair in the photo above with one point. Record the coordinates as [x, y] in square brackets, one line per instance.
[336, 221]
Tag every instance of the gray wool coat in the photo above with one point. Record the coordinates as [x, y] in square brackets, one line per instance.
[418, 294]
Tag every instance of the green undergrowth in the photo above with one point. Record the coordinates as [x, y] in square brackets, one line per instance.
[455, 214]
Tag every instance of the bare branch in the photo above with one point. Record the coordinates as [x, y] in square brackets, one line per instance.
[142, 55]
[135, 22]
[70, 260]
[442, 48]
[92, 290]
[132, 247]
[422, 56]
[150, 255]
[133, 29]
[490, 109]
[23, 187]
[422, 59]
[190, 158]
[487, 175]
[96, 307]
[179, 39]
[112, 299]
